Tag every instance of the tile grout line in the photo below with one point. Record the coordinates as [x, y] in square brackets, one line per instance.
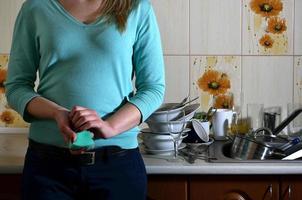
[189, 32]
[293, 40]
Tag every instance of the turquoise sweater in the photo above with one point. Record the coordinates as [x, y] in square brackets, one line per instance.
[87, 65]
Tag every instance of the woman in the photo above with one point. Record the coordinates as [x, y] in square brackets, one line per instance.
[86, 53]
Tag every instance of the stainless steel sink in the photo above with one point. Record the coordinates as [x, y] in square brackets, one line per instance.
[219, 152]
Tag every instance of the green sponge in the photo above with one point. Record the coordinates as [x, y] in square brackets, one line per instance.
[84, 140]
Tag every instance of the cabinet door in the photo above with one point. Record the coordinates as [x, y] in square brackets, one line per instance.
[233, 187]
[164, 187]
[10, 185]
[291, 187]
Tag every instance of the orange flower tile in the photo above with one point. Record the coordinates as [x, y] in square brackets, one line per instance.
[266, 41]
[266, 8]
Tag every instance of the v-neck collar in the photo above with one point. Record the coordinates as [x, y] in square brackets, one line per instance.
[67, 14]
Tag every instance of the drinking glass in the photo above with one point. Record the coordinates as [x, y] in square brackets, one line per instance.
[175, 129]
[255, 115]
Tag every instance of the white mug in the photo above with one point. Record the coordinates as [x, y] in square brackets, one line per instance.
[222, 119]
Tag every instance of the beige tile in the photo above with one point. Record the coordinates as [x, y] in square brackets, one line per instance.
[173, 20]
[298, 79]
[215, 27]
[268, 80]
[177, 78]
[255, 27]
[298, 27]
[8, 14]
[229, 65]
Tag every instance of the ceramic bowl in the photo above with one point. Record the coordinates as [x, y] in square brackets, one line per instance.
[165, 127]
[166, 112]
[160, 142]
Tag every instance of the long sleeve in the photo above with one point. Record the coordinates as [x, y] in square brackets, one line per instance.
[23, 64]
[148, 66]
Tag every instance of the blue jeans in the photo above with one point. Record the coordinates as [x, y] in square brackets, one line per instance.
[115, 178]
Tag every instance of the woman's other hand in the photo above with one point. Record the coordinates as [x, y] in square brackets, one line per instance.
[86, 119]
[64, 124]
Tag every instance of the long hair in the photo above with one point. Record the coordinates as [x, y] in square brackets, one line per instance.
[117, 11]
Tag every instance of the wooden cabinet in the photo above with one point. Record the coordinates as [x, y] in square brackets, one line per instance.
[10, 185]
[165, 187]
[233, 187]
[291, 187]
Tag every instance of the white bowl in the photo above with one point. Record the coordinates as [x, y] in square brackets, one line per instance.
[163, 127]
[165, 113]
[190, 110]
[160, 142]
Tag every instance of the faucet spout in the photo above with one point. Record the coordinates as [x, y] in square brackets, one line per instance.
[286, 121]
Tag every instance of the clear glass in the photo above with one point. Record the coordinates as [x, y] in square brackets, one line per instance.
[176, 129]
[255, 115]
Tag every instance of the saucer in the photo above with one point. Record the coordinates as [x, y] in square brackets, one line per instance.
[148, 130]
[211, 140]
[163, 152]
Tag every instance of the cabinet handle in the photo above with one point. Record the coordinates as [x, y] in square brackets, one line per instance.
[289, 190]
[270, 191]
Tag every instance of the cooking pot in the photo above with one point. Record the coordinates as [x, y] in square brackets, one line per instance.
[257, 146]
[249, 148]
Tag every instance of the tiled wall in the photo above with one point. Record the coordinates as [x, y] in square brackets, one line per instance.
[223, 35]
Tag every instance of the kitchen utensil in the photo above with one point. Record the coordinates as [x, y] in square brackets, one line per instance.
[246, 147]
[185, 103]
[181, 103]
[286, 121]
[210, 113]
[295, 126]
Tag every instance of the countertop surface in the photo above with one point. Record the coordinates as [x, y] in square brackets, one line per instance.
[13, 147]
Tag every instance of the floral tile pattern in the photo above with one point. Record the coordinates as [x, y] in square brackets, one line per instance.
[226, 68]
[268, 27]
[8, 117]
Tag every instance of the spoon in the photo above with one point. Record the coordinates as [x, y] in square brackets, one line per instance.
[183, 104]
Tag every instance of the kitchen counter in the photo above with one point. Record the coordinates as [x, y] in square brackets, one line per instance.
[13, 147]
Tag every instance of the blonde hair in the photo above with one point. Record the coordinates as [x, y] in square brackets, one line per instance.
[117, 11]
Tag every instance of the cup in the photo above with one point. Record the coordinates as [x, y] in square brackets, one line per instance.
[199, 133]
[222, 120]
[295, 126]
[255, 115]
[272, 117]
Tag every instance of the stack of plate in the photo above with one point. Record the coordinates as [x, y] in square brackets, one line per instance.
[156, 138]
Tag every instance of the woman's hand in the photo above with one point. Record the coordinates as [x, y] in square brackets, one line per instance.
[63, 121]
[86, 119]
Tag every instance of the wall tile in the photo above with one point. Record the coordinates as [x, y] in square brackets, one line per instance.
[173, 20]
[298, 79]
[268, 80]
[255, 27]
[177, 78]
[229, 65]
[298, 27]
[8, 12]
[215, 27]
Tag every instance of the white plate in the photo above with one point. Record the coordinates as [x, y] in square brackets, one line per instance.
[211, 140]
[148, 130]
[163, 152]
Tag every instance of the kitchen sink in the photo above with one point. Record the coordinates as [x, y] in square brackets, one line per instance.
[220, 152]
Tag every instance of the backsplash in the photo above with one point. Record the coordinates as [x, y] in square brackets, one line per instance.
[259, 49]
